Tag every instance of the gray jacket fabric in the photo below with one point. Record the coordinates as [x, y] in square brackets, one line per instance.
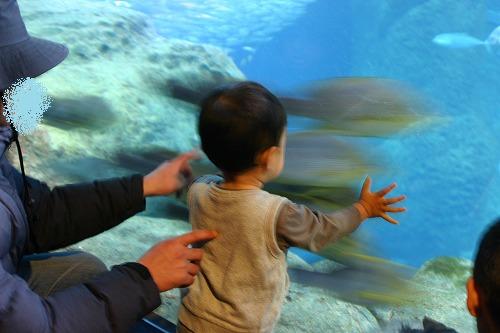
[113, 301]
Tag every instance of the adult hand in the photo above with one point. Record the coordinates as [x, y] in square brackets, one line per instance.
[170, 176]
[172, 263]
[375, 204]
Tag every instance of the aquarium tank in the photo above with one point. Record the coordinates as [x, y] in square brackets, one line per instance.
[404, 91]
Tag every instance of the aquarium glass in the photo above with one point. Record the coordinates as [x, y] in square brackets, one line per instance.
[126, 99]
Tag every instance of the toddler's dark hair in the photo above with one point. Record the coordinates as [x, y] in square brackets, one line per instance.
[237, 122]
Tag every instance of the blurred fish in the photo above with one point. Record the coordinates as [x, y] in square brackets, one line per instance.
[457, 40]
[89, 112]
[323, 198]
[463, 40]
[194, 95]
[148, 158]
[84, 168]
[169, 208]
[360, 106]
[362, 286]
[318, 159]
[120, 3]
[364, 278]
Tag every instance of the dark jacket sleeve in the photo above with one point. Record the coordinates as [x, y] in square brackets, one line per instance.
[112, 302]
[68, 214]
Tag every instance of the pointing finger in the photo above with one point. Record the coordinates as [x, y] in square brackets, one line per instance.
[197, 236]
[186, 157]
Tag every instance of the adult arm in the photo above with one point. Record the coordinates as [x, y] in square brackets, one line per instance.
[111, 302]
[68, 214]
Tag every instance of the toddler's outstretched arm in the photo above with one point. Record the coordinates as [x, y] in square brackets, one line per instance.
[301, 226]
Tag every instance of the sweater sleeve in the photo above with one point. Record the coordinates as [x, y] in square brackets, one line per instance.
[300, 226]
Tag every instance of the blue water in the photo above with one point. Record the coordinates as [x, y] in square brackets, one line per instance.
[450, 171]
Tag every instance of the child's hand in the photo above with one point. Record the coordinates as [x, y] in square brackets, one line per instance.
[170, 176]
[376, 205]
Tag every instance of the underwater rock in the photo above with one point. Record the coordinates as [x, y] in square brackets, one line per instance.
[455, 270]
[117, 57]
[441, 296]
[309, 309]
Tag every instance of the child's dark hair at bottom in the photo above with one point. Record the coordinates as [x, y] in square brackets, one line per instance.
[237, 122]
[487, 270]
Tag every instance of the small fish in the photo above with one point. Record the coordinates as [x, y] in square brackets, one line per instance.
[457, 40]
[119, 3]
[461, 40]
[249, 49]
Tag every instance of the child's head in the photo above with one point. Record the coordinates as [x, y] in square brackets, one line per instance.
[483, 288]
[242, 126]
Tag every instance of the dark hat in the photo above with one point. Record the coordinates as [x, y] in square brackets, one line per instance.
[21, 55]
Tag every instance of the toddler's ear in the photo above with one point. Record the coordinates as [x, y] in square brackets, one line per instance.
[472, 297]
[266, 156]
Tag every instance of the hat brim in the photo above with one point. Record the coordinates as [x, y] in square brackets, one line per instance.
[29, 58]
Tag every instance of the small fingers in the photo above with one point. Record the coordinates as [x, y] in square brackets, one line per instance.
[388, 218]
[390, 201]
[366, 185]
[386, 190]
[395, 209]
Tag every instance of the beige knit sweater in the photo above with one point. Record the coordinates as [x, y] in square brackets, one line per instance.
[243, 279]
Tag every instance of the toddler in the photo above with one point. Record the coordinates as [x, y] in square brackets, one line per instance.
[243, 276]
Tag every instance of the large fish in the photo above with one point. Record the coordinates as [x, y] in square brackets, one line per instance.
[460, 40]
[360, 106]
[89, 112]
